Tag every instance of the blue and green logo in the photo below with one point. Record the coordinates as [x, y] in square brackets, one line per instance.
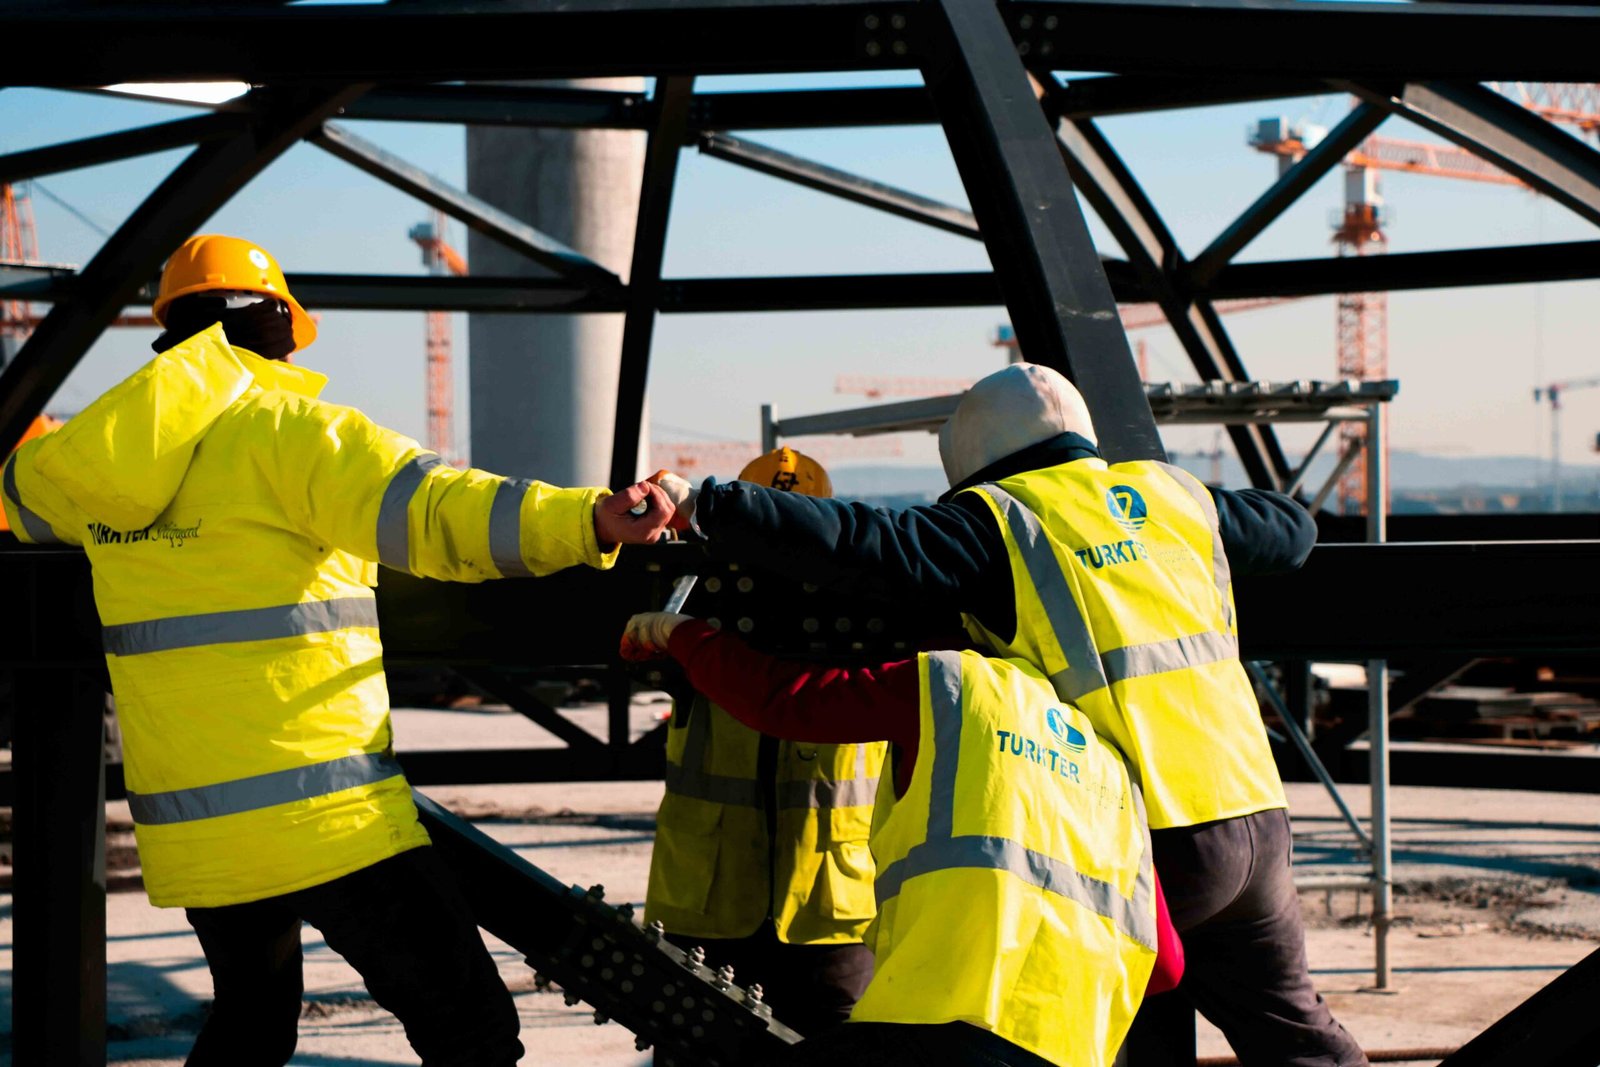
[1071, 737]
[1127, 507]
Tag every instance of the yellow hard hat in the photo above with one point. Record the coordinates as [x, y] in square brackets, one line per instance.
[784, 468]
[211, 261]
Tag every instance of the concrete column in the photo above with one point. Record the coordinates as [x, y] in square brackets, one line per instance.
[544, 387]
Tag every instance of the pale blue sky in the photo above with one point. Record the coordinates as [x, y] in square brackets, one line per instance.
[1468, 359]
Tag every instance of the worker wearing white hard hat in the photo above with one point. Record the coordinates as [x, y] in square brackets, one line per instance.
[1116, 582]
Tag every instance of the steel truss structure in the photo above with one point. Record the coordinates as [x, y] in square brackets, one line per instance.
[1026, 141]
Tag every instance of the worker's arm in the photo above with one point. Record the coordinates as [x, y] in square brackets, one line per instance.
[35, 510]
[1169, 948]
[949, 556]
[379, 495]
[1263, 532]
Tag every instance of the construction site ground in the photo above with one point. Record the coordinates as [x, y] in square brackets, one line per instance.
[1496, 893]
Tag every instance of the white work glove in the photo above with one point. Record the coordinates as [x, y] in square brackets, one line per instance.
[645, 636]
[635, 516]
[682, 493]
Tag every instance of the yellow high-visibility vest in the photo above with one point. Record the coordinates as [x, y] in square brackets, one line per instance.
[715, 872]
[1125, 602]
[234, 523]
[1015, 886]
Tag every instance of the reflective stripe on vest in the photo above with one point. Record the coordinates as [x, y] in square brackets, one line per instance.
[1132, 916]
[505, 528]
[228, 627]
[39, 531]
[689, 779]
[261, 790]
[1089, 670]
[394, 526]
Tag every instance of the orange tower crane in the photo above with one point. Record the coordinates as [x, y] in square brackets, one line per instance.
[19, 243]
[441, 260]
[1363, 318]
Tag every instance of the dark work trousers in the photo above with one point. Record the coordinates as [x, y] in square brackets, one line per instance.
[402, 924]
[810, 987]
[907, 1045]
[1231, 894]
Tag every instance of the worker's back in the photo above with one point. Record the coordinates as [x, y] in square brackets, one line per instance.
[1123, 599]
[243, 646]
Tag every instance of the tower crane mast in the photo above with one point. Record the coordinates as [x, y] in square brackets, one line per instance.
[441, 260]
[1553, 394]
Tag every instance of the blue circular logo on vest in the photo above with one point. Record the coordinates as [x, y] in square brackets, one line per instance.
[1071, 737]
[1127, 507]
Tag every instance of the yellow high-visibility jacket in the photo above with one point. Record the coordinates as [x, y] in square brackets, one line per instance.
[1124, 600]
[233, 523]
[716, 872]
[1015, 886]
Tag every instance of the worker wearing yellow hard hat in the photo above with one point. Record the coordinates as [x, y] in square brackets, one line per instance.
[761, 851]
[234, 524]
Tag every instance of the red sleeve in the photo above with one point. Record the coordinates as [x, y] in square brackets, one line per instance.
[800, 701]
[1169, 949]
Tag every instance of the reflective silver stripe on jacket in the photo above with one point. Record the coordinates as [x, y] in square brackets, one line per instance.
[394, 530]
[1133, 916]
[36, 528]
[1083, 673]
[228, 627]
[690, 779]
[1090, 670]
[1208, 507]
[505, 528]
[261, 790]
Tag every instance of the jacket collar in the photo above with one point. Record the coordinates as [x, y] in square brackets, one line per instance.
[1062, 448]
[275, 375]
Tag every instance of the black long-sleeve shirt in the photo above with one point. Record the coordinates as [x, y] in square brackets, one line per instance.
[951, 555]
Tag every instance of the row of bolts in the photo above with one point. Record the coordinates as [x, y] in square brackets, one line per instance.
[655, 931]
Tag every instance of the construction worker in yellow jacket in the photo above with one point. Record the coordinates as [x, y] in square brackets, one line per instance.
[234, 524]
[761, 851]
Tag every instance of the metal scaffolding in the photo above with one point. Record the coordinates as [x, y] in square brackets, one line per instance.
[1027, 143]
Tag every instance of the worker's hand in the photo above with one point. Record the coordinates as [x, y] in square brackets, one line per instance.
[646, 635]
[682, 493]
[635, 516]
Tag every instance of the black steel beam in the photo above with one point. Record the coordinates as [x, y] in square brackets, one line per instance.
[513, 694]
[77, 43]
[1566, 261]
[125, 144]
[643, 298]
[474, 213]
[1354, 128]
[840, 183]
[1422, 677]
[1556, 1027]
[405, 292]
[1114, 193]
[442, 40]
[59, 977]
[1060, 302]
[1425, 600]
[1126, 94]
[1508, 135]
[793, 109]
[203, 182]
[504, 105]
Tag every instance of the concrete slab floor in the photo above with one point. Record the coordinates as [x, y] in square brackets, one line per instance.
[1497, 893]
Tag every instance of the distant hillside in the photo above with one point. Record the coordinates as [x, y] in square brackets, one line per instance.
[1408, 472]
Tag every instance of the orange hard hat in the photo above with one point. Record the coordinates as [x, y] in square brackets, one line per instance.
[212, 261]
[784, 468]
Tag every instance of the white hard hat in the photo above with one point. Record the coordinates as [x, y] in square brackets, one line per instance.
[1024, 404]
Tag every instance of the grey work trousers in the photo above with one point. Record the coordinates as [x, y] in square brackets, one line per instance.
[1231, 894]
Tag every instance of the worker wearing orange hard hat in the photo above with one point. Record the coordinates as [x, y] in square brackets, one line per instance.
[234, 524]
[761, 851]
[37, 428]
[1115, 580]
